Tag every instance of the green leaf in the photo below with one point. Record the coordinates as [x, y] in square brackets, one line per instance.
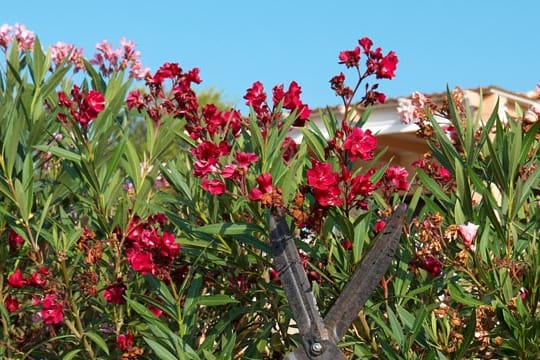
[314, 141]
[98, 340]
[432, 186]
[229, 229]
[214, 300]
[397, 331]
[458, 294]
[160, 351]
[71, 355]
[61, 153]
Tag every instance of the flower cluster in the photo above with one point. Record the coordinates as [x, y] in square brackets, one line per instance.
[61, 52]
[256, 98]
[83, 106]
[180, 102]
[52, 309]
[149, 249]
[382, 66]
[25, 38]
[111, 60]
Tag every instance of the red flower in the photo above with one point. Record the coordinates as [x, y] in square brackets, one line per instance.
[83, 107]
[329, 197]
[291, 101]
[246, 158]
[432, 265]
[395, 177]
[360, 144]
[169, 247]
[320, 176]
[214, 186]
[444, 175]
[52, 311]
[255, 96]
[379, 226]
[350, 57]
[135, 100]
[140, 261]
[94, 102]
[366, 44]
[289, 147]
[156, 311]
[115, 293]
[387, 66]
[124, 341]
[16, 279]
[346, 244]
[14, 240]
[361, 185]
[265, 187]
[11, 304]
[36, 279]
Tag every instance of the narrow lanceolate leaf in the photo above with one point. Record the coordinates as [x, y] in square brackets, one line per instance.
[229, 229]
[98, 340]
[366, 277]
[59, 152]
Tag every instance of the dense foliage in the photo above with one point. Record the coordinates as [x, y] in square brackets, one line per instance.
[117, 243]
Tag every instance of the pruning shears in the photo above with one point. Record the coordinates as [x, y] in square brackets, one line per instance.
[321, 336]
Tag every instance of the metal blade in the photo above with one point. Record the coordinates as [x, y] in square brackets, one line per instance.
[366, 277]
[296, 284]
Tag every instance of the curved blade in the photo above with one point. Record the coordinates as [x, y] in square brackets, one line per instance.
[366, 277]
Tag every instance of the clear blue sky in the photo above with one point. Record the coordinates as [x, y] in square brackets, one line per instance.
[234, 43]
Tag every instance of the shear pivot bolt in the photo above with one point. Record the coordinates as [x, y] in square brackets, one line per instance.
[316, 348]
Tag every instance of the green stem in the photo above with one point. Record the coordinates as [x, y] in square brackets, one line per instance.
[75, 312]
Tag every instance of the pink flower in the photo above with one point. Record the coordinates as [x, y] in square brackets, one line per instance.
[11, 304]
[115, 293]
[468, 233]
[6, 36]
[360, 144]
[16, 279]
[24, 37]
[61, 51]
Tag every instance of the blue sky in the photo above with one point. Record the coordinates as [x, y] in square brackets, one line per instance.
[234, 43]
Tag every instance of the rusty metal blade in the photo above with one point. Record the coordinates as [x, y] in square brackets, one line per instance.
[295, 283]
[366, 277]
